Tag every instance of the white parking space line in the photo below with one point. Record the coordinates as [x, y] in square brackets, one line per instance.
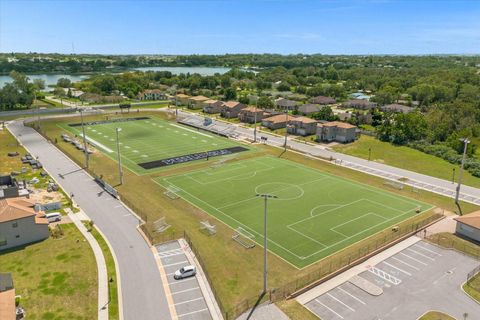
[421, 254]
[127, 214]
[191, 289]
[428, 250]
[333, 311]
[341, 302]
[351, 295]
[174, 264]
[407, 264]
[176, 304]
[406, 255]
[396, 268]
[186, 314]
[119, 206]
[183, 280]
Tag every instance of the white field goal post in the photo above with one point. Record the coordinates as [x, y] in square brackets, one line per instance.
[172, 192]
[160, 225]
[208, 227]
[244, 238]
[222, 161]
[394, 184]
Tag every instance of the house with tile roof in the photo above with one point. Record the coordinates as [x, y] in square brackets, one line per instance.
[152, 94]
[20, 224]
[7, 297]
[323, 100]
[212, 106]
[276, 122]
[250, 114]
[231, 109]
[302, 126]
[196, 102]
[336, 131]
[469, 226]
[308, 109]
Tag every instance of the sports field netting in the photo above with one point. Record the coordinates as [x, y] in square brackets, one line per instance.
[148, 143]
[315, 215]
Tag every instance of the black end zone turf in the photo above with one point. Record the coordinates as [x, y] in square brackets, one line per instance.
[92, 123]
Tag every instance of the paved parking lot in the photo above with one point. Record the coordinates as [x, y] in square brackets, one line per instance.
[419, 278]
[186, 293]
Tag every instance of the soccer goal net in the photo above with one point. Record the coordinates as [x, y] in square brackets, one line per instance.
[393, 184]
[208, 227]
[172, 193]
[244, 238]
[160, 225]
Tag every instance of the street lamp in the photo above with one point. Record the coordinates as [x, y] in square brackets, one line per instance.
[457, 195]
[255, 122]
[286, 127]
[120, 171]
[265, 196]
[84, 140]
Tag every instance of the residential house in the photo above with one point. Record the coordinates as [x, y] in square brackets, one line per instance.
[302, 126]
[469, 226]
[8, 187]
[152, 94]
[360, 96]
[231, 109]
[20, 224]
[212, 106]
[182, 99]
[395, 107]
[196, 102]
[323, 100]
[276, 122]
[308, 109]
[282, 103]
[336, 131]
[7, 297]
[359, 104]
[250, 114]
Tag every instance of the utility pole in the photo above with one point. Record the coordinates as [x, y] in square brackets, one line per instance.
[255, 122]
[457, 195]
[265, 197]
[38, 109]
[84, 140]
[369, 153]
[176, 108]
[453, 175]
[286, 127]
[120, 170]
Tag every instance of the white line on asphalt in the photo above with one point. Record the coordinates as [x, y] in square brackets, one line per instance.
[431, 251]
[396, 268]
[174, 264]
[191, 289]
[182, 280]
[329, 309]
[128, 214]
[406, 255]
[338, 300]
[119, 206]
[421, 254]
[351, 295]
[176, 304]
[186, 314]
[407, 264]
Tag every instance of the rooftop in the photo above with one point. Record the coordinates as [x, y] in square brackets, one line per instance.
[18, 208]
[338, 124]
[231, 104]
[472, 219]
[304, 120]
[279, 118]
[199, 98]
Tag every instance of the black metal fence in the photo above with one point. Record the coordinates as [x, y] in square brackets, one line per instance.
[473, 273]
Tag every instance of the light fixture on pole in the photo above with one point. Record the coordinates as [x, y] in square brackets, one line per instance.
[457, 194]
[85, 149]
[255, 122]
[120, 171]
[265, 196]
[286, 127]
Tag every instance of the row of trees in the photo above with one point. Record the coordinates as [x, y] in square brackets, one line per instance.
[19, 93]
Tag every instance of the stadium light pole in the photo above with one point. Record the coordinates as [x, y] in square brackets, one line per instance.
[265, 197]
[120, 171]
[176, 108]
[286, 127]
[255, 122]
[85, 150]
[457, 194]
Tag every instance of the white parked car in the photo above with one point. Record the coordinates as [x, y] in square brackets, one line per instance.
[185, 272]
[53, 217]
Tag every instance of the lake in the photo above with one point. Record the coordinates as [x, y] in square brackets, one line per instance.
[204, 71]
[50, 79]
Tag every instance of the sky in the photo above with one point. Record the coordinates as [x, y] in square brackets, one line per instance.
[240, 26]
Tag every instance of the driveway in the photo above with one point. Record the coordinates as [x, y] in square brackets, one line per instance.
[419, 278]
[142, 290]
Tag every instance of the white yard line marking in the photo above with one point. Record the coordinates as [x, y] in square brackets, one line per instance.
[97, 144]
[351, 295]
[174, 264]
[186, 314]
[200, 133]
[412, 258]
[421, 254]
[346, 305]
[176, 304]
[396, 268]
[191, 289]
[407, 264]
[329, 309]
[428, 250]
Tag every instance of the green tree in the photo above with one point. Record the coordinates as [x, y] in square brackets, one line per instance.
[265, 102]
[230, 94]
[64, 83]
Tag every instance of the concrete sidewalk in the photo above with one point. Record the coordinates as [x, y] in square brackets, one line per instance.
[101, 266]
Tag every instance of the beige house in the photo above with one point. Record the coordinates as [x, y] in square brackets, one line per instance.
[152, 94]
[250, 114]
[231, 109]
[7, 297]
[336, 131]
[302, 126]
[276, 122]
[282, 103]
[323, 100]
[20, 224]
[196, 102]
[469, 226]
[182, 99]
[212, 106]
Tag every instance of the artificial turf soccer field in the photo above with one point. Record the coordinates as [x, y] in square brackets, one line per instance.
[315, 215]
[147, 140]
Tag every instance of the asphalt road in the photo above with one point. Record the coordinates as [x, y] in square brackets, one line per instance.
[143, 296]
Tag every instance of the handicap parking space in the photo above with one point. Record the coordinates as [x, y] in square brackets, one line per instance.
[419, 278]
[186, 294]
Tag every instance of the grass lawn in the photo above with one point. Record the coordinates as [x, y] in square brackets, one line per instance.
[405, 158]
[295, 310]
[57, 278]
[233, 284]
[436, 315]
[314, 215]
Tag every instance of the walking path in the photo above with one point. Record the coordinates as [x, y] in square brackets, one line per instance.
[103, 298]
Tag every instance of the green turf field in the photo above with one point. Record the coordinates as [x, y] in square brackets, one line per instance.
[315, 215]
[149, 140]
